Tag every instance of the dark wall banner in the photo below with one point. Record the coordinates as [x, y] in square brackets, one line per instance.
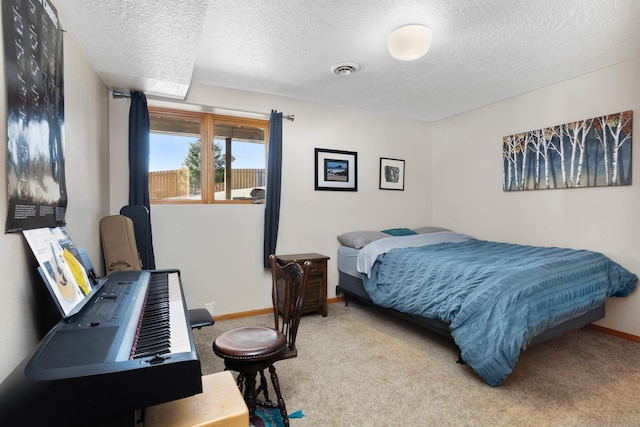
[35, 114]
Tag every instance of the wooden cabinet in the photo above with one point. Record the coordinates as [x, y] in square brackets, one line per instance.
[315, 296]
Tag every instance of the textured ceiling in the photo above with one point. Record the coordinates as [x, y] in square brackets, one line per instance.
[483, 51]
[145, 45]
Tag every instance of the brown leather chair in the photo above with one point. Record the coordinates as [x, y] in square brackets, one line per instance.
[250, 350]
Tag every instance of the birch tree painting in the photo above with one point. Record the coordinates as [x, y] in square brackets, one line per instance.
[587, 153]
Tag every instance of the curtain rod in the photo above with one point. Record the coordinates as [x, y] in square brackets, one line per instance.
[127, 94]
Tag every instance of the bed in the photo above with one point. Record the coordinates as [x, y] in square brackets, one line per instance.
[493, 299]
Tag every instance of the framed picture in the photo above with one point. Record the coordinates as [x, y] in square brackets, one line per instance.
[391, 174]
[336, 170]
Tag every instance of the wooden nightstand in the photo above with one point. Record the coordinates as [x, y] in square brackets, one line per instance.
[315, 296]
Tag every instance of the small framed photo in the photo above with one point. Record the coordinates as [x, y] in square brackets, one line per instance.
[391, 174]
[336, 170]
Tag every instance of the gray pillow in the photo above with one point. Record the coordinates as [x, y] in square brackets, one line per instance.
[429, 229]
[359, 239]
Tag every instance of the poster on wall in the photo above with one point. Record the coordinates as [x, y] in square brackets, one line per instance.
[35, 115]
[594, 152]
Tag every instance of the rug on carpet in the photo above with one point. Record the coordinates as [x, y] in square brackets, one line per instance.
[267, 416]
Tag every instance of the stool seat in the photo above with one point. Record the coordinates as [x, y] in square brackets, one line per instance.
[250, 343]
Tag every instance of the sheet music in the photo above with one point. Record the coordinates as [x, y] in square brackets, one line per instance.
[61, 266]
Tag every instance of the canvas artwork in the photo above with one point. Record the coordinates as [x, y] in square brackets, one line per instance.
[592, 152]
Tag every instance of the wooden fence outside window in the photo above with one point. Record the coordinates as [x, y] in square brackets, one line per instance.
[174, 184]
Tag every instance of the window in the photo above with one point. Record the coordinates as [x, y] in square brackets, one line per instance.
[206, 158]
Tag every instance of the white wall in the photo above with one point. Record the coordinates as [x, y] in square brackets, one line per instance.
[218, 248]
[86, 153]
[467, 178]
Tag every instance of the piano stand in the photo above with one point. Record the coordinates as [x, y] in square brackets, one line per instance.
[219, 405]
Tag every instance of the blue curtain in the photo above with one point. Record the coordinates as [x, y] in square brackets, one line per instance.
[274, 179]
[139, 166]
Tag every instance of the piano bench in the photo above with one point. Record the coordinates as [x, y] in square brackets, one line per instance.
[219, 405]
[199, 317]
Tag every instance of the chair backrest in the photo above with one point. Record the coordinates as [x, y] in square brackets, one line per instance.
[289, 282]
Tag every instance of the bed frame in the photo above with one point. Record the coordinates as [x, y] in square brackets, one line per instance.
[352, 288]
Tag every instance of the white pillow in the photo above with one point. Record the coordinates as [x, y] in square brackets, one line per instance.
[359, 239]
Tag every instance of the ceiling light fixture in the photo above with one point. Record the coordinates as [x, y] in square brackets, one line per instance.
[409, 42]
[345, 68]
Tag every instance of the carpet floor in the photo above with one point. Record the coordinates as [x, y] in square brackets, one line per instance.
[358, 366]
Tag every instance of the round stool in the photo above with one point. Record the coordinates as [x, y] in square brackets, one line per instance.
[249, 350]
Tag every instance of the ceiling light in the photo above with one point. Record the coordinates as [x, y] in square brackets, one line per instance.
[345, 68]
[409, 42]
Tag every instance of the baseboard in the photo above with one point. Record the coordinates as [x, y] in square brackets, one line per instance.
[261, 311]
[615, 333]
[242, 314]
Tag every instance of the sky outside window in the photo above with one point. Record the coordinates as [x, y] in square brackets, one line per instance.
[167, 152]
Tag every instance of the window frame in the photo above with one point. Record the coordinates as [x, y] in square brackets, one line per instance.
[207, 133]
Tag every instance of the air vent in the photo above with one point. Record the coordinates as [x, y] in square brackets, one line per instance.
[345, 68]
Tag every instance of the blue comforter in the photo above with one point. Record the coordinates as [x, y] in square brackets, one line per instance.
[496, 296]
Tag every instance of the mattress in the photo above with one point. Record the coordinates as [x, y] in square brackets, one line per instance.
[347, 260]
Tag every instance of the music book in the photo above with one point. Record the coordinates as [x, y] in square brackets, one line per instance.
[61, 268]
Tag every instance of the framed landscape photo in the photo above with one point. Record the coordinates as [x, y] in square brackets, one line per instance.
[391, 174]
[336, 170]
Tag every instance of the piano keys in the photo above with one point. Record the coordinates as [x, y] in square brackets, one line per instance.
[130, 347]
[155, 335]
